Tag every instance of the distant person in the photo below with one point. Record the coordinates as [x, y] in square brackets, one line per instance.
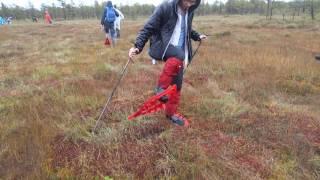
[34, 19]
[47, 17]
[117, 22]
[170, 30]
[317, 56]
[107, 21]
[9, 20]
[2, 21]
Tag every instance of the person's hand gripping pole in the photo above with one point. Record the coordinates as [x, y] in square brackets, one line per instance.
[133, 52]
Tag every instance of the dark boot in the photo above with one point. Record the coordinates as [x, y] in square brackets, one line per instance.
[179, 120]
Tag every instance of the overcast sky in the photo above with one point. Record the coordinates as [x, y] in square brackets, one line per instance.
[37, 3]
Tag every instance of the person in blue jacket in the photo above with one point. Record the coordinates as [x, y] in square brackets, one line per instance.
[2, 21]
[107, 21]
[9, 20]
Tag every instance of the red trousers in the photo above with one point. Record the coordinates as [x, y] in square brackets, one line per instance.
[172, 73]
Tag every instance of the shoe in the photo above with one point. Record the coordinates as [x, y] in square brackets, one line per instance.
[164, 98]
[107, 42]
[178, 119]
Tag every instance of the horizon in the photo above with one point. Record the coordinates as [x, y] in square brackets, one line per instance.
[37, 4]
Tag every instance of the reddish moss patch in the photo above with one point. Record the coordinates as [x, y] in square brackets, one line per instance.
[132, 155]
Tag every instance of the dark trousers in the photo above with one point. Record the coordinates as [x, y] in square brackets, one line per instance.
[109, 29]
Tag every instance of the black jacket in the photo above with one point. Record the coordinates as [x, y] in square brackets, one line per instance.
[160, 27]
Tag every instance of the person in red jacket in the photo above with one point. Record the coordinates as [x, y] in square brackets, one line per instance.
[47, 17]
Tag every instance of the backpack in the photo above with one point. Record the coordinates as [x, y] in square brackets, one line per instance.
[110, 15]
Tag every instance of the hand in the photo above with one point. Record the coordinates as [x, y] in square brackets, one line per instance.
[202, 36]
[133, 52]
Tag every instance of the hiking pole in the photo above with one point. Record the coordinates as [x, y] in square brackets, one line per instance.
[195, 52]
[112, 93]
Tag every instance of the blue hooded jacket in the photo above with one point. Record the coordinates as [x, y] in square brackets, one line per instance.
[109, 4]
[2, 21]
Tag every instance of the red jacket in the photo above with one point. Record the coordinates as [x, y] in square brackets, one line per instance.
[47, 17]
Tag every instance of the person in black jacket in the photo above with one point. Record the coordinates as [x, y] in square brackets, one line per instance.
[107, 21]
[170, 32]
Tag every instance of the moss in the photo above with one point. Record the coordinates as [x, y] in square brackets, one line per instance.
[222, 108]
[292, 87]
[105, 71]
[285, 167]
[45, 72]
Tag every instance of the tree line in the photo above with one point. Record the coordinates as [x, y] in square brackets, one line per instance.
[69, 11]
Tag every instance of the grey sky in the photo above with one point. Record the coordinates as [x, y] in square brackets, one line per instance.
[37, 3]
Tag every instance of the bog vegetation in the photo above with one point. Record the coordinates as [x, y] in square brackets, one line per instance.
[252, 95]
[63, 10]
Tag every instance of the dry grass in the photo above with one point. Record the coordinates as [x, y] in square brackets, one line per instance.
[252, 94]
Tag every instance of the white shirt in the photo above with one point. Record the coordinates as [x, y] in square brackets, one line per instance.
[118, 19]
[176, 34]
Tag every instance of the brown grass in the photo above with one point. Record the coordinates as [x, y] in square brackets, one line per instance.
[251, 94]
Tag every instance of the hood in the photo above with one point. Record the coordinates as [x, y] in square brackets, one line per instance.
[192, 8]
[109, 4]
